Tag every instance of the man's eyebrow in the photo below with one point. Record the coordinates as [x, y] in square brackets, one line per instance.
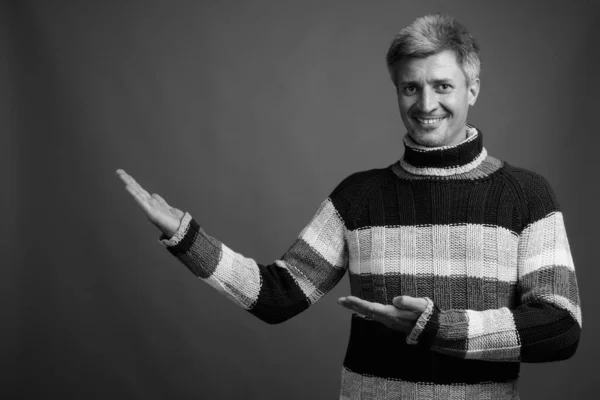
[435, 81]
[440, 81]
[408, 82]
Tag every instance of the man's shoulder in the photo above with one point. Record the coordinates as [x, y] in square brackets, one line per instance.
[527, 179]
[534, 189]
[361, 180]
[354, 191]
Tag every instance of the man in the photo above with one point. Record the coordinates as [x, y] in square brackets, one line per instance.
[459, 263]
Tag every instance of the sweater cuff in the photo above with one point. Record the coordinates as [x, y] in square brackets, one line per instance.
[178, 236]
[415, 334]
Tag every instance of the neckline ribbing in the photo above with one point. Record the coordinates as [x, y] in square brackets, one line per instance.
[446, 160]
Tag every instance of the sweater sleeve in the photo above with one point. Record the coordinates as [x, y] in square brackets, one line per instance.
[311, 267]
[546, 322]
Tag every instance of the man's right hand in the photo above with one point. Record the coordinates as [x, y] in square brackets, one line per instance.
[165, 217]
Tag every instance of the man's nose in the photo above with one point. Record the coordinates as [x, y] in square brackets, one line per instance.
[427, 101]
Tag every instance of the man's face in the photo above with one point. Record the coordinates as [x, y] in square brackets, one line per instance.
[434, 99]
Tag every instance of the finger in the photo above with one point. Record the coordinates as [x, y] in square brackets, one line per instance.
[370, 309]
[140, 199]
[160, 200]
[405, 315]
[140, 192]
[355, 304]
[125, 177]
[128, 180]
[415, 304]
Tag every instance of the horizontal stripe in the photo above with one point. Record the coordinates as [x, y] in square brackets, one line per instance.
[546, 333]
[419, 158]
[237, 277]
[445, 171]
[369, 340]
[565, 304]
[325, 234]
[550, 282]
[466, 292]
[314, 274]
[308, 288]
[486, 168]
[231, 274]
[441, 250]
[280, 297]
[492, 335]
[403, 203]
[355, 386]
[199, 252]
[544, 243]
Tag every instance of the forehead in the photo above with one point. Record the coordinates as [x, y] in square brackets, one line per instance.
[439, 66]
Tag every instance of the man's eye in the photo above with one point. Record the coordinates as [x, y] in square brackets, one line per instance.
[410, 89]
[444, 87]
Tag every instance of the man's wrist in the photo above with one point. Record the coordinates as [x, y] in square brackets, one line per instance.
[179, 234]
[415, 334]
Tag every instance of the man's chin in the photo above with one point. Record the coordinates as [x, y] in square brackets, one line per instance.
[427, 138]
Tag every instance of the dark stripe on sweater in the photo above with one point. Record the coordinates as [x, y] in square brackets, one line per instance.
[555, 280]
[466, 292]
[188, 239]
[280, 298]
[539, 198]
[206, 253]
[374, 349]
[313, 266]
[437, 332]
[546, 333]
[445, 158]
[437, 203]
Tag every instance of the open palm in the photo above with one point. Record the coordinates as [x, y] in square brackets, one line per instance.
[163, 216]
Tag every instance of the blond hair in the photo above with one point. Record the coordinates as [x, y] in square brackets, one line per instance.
[432, 34]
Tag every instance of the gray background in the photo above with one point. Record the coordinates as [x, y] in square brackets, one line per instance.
[246, 114]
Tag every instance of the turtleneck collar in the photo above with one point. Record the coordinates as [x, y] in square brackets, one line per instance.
[446, 160]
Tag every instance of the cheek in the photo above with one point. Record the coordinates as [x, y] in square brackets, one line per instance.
[452, 106]
[458, 104]
[404, 106]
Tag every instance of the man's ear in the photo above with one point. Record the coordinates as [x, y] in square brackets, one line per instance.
[473, 91]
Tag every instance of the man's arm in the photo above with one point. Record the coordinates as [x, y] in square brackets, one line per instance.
[546, 324]
[312, 266]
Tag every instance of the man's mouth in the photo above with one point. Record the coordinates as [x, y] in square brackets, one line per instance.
[429, 121]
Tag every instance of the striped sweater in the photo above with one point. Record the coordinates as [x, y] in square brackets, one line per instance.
[482, 240]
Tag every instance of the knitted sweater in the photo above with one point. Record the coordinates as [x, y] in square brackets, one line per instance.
[482, 240]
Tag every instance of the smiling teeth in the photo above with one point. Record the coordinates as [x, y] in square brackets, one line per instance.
[429, 121]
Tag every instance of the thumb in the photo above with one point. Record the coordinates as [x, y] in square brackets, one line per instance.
[416, 304]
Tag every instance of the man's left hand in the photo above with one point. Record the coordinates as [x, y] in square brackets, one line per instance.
[400, 316]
